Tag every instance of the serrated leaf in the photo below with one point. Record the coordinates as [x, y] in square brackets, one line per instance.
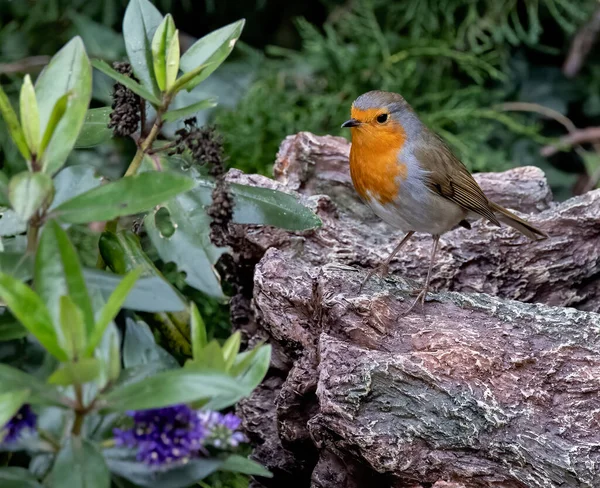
[83, 371]
[14, 128]
[212, 48]
[184, 112]
[133, 85]
[69, 71]
[30, 116]
[127, 196]
[29, 192]
[80, 464]
[95, 129]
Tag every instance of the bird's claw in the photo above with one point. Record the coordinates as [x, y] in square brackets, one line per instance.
[382, 270]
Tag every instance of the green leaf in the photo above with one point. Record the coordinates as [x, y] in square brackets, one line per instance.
[80, 464]
[150, 294]
[212, 48]
[160, 46]
[231, 348]
[31, 312]
[40, 393]
[186, 79]
[172, 60]
[139, 24]
[73, 336]
[209, 359]
[3, 189]
[78, 373]
[199, 338]
[184, 112]
[10, 403]
[30, 116]
[255, 205]
[239, 464]
[95, 128]
[189, 246]
[112, 307]
[11, 224]
[58, 273]
[29, 192]
[140, 348]
[69, 71]
[10, 328]
[169, 388]
[17, 265]
[58, 112]
[127, 196]
[133, 85]
[100, 41]
[14, 128]
[15, 477]
[109, 352]
[72, 181]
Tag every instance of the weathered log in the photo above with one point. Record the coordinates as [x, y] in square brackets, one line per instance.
[475, 391]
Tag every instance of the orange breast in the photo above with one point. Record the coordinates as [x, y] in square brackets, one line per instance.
[374, 164]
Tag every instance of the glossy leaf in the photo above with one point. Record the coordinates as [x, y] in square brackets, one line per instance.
[189, 246]
[40, 393]
[161, 42]
[80, 464]
[139, 24]
[10, 403]
[95, 128]
[198, 330]
[31, 312]
[170, 388]
[72, 181]
[127, 196]
[212, 48]
[83, 371]
[73, 335]
[133, 85]
[30, 116]
[239, 464]
[12, 123]
[182, 113]
[112, 307]
[58, 112]
[15, 477]
[69, 71]
[29, 192]
[150, 294]
[58, 273]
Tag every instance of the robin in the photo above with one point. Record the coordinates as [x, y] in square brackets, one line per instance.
[411, 179]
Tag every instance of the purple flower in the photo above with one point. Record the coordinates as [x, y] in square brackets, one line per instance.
[163, 436]
[221, 430]
[22, 420]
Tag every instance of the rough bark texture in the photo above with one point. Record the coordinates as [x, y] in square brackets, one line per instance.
[474, 391]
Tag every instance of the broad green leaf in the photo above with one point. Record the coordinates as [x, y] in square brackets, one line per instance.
[14, 128]
[10, 328]
[73, 335]
[17, 264]
[11, 224]
[58, 112]
[29, 192]
[100, 41]
[239, 464]
[31, 312]
[160, 45]
[122, 462]
[127, 196]
[40, 393]
[68, 71]
[231, 348]
[212, 48]
[72, 181]
[209, 359]
[80, 464]
[130, 83]
[3, 189]
[83, 371]
[170, 388]
[139, 24]
[150, 294]
[109, 352]
[189, 246]
[139, 348]
[112, 307]
[185, 80]
[10, 403]
[30, 116]
[15, 477]
[95, 128]
[190, 110]
[255, 205]
[58, 272]
[172, 60]
[199, 338]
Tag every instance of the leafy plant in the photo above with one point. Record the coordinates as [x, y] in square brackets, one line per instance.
[104, 402]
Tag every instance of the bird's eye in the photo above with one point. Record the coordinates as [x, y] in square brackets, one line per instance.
[382, 118]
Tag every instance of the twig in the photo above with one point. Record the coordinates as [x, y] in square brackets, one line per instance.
[582, 45]
[24, 65]
[578, 137]
[540, 109]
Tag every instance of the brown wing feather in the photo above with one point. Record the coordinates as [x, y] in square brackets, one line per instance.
[449, 177]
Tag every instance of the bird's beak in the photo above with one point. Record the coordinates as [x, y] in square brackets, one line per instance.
[351, 123]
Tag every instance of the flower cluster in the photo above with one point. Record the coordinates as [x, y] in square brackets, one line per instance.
[23, 420]
[174, 435]
[125, 116]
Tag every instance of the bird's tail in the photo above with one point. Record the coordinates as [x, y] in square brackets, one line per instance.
[517, 223]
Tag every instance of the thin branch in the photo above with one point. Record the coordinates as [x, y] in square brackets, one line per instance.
[582, 45]
[578, 137]
[25, 65]
[540, 109]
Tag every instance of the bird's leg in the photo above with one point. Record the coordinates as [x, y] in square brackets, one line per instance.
[383, 268]
[423, 293]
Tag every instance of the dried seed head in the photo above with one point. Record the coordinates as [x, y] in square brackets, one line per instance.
[125, 117]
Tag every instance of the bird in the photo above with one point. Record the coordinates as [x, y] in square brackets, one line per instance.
[412, 180]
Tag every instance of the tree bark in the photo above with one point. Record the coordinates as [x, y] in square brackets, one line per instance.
[475, 390]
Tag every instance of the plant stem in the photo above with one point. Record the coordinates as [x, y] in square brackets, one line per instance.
[80, 411]
[32, 236]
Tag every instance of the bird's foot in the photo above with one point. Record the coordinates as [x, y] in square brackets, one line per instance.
[382, 270]
[421, 295]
